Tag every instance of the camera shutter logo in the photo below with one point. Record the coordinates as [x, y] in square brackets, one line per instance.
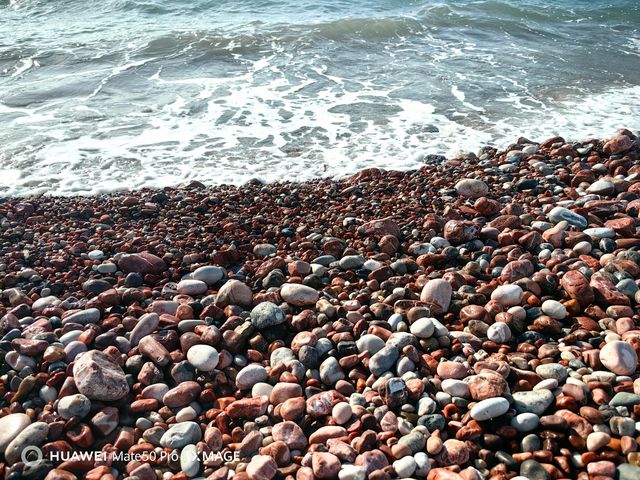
[29, 452]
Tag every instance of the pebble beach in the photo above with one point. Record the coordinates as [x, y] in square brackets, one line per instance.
[476, 318]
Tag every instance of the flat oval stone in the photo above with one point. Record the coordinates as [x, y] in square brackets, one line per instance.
[455, 388]
[264, 249]
[351, 262]
[143, 262]
[84, 317]
[471, 188]
[192, 287]
[250, 375]
[183, 394]
[597, 440]
[423, 328]
[600, 233]
[554, 309]
[624, 399]
[383, 360]
[553, 370]
[525, 422]
[45, 302]
[558, 214]
[489, 408]
[601, 187]
[147, 323]
[298, 295]
[370, 343]
[208, 274]
[181, 434]
[156, 391]
[32, 435]
[447, 369]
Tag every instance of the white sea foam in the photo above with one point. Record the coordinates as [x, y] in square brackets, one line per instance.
[333, 136]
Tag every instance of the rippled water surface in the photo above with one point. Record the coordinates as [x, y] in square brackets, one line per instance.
[97, 96]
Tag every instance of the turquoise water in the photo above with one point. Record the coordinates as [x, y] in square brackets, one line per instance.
[100, 96]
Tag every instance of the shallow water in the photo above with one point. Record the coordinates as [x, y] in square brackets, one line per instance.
[99, 96]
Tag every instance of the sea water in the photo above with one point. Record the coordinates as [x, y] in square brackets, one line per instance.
[97, 96]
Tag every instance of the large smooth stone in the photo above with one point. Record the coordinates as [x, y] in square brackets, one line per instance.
[437, 292]
[298, 295]
[558, 214]
[383, 360]
[84, 317]
[181, 434]
[143, 262]
[472, 188]
[10, 426]
[234, 292]
[250, 375]
[203, 357]
[209, 274]
[507, 295]
[192, 287]
[98, 377]
[619, 357]
[267, 314]
[32, 436]
[535, 401]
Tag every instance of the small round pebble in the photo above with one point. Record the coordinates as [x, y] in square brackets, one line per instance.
[342, 413]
